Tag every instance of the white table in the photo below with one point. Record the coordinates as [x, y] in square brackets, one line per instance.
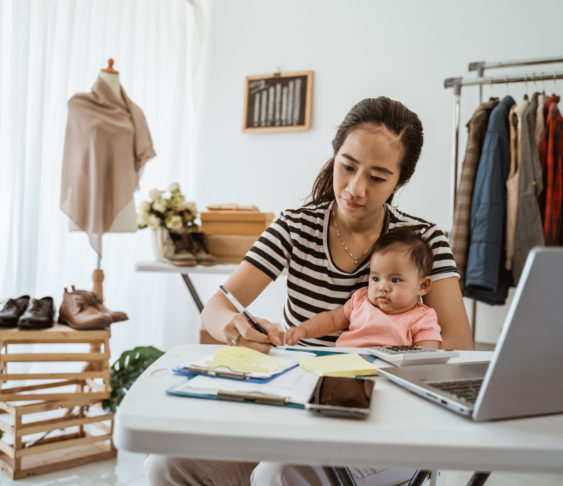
[184, 272]
[403, 430]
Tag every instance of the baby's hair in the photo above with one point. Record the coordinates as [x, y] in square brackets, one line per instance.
[419, 251]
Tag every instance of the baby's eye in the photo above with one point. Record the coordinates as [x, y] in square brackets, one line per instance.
[375, 279]
[395, 280]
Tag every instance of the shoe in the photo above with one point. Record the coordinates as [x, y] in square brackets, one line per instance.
[78, 310]
[116, 316]
[38, 315]
[200, 249]
[12, 309]
[177, 249]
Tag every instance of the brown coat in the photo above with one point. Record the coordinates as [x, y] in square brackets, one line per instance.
[477, 128]
[107, 143]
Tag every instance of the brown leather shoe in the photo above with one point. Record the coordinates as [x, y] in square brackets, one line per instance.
[116, 316]
[78, 310]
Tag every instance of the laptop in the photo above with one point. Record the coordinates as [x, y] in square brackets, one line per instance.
[525, 374]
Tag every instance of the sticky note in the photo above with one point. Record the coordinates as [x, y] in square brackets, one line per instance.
[240, 358]
[339, 365]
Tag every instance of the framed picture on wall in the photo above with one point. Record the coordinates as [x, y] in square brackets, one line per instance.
[279, 102]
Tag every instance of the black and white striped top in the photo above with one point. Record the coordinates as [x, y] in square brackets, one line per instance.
[298, 241]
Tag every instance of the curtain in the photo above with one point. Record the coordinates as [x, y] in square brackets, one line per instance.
[50, 50]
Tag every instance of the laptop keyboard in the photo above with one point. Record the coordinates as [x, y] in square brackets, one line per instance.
[466, 390]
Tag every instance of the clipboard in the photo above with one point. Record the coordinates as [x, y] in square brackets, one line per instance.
[291, 389]
[290, 361]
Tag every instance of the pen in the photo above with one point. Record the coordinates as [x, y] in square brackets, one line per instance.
[242, 310]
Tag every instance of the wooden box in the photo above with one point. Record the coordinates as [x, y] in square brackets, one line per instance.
[229, 248]
[240, 223]
[52, 419]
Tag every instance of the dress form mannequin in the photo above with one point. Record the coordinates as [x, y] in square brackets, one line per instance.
[126, 219]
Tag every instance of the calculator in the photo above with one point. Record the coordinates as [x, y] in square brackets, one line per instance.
[411, 355]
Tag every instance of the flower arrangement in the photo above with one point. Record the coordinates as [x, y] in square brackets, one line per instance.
[170, 211]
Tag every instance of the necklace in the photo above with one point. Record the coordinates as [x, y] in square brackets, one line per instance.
[346, 249]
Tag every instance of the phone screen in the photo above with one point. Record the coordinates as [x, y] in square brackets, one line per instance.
[348, 397]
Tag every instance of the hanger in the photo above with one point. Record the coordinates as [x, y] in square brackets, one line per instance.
[109, 69]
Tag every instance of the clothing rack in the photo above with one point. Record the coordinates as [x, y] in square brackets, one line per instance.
[458, 82]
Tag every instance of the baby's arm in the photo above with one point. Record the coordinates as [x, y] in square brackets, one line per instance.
[318, 326]
[428, 344]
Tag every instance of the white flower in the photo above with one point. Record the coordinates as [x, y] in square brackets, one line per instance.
[159, 205]
[153, 221]
[178, 202]
[141, 218]
[155, 194]
[144, 206]
[174, 223]
[191, 207]
[174, 187]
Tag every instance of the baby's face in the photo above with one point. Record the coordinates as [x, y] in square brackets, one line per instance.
[395, 284]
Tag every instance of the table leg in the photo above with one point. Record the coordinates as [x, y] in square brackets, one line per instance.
[193, 292]
[478, 478]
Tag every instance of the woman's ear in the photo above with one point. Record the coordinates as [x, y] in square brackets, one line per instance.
[425, 285]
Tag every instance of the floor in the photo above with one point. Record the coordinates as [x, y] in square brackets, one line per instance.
[127, 469]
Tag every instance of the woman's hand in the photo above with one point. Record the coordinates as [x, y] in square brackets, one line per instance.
[239, 332]
[294, 334]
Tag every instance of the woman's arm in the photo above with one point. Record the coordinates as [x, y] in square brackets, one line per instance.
[445, 298]
[224, 323]
[322, 324]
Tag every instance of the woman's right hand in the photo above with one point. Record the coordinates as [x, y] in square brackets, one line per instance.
[239, 332]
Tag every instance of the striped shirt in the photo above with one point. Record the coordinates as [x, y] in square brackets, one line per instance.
[298, 241]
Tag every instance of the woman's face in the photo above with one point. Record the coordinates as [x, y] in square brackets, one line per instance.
[366, 170]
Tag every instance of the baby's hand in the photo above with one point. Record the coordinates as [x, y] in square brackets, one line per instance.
[293, 335]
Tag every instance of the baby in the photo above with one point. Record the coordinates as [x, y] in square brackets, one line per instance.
[388, 311]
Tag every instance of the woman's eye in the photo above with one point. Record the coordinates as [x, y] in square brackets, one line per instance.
[395, 280]
[348, 168]
[377, 179]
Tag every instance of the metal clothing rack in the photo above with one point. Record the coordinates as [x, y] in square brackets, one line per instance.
[458, 82]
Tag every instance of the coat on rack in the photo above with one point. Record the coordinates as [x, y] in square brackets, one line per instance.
[528, 230]
[486, 279]
[477, 129]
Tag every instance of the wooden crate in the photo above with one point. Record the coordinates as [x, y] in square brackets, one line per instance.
[56, 421]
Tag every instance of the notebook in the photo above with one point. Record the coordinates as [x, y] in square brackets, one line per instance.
[525, 374]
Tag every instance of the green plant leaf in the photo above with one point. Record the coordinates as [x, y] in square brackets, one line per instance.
[126, 370]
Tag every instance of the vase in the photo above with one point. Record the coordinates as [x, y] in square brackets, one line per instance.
[159, 235]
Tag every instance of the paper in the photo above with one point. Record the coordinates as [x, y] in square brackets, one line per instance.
[295, 386]
[240, 358]
[287, 359]
[339, 365]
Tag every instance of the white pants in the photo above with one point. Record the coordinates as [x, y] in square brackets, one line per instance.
[179, 471]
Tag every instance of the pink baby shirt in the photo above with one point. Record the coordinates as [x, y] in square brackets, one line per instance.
[370, 326]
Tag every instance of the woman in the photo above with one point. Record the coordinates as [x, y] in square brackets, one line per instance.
[325, 248]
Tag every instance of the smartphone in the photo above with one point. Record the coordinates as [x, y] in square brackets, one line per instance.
[342, 397]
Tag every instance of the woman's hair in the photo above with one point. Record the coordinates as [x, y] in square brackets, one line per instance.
[396, 117]
[418, 250]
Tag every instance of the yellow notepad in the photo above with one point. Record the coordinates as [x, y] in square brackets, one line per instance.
[339, 365]
[239, 358]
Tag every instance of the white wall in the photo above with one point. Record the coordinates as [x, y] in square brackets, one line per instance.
[356, 48]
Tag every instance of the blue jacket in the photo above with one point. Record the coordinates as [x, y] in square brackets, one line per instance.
[486, 278]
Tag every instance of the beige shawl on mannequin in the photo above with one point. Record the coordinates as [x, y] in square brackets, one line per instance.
[107, 144]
